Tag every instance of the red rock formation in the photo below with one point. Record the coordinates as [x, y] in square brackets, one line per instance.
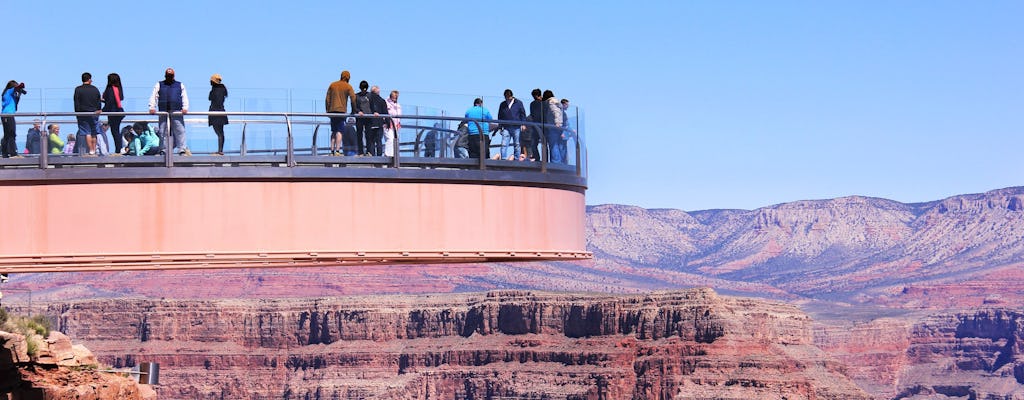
[59, 370]
[537, 345]
[974, 354]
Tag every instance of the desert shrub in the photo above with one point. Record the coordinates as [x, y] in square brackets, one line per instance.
[31, 346]
[3, 316]
[34, 325]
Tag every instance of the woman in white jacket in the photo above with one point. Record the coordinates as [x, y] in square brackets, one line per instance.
[391, 134]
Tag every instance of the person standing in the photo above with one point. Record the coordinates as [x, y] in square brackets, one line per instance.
[339, 95]
[379, 107]
[511, 110]
[113, 96]
[567, 132]
[536, 115]
[477, 128]
[34, 139]
[361, 106]
[87, 99]
[9, 105]
[218, 93]
[169, 95]
[391, 130]
[553, 116]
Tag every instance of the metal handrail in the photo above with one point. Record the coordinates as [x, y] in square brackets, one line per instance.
[290, 118]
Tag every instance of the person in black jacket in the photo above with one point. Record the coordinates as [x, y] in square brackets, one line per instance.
[113, 95]
[531, 146]
[379, 107]
[362, 107]
[87, 99]
[511, 110]
[218, 93]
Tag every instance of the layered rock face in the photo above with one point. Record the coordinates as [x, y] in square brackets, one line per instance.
[962, 355]
[688, 344]
[58, 370]
[975, 355]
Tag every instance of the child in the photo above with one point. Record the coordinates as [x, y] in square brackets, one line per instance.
[69, 148]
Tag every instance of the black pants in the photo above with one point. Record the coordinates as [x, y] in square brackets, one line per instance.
[362, 130]
[7, 146]
[219, 130]
[373, 136]
[115, 131]
[474, 146]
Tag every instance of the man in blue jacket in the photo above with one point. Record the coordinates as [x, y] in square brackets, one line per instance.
[170, 95]
[477, 128]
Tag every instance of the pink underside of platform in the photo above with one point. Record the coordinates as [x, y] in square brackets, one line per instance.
[225, 217]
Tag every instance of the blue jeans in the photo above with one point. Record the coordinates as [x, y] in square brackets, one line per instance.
[177, 138]
[554, 136]
[510, 134]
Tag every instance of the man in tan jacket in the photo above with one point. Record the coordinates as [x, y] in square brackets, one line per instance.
[339, 94]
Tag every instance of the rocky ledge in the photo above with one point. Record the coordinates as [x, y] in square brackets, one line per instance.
[517, 344]
[58, 370]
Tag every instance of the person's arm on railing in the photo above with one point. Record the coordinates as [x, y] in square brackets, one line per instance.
[153, 98]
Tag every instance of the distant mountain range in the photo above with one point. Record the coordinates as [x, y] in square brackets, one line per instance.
[849, 249]
[961, 251]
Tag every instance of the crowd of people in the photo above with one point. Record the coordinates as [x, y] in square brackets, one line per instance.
[168, 95]
[362, 128]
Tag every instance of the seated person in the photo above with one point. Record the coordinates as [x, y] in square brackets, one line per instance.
[70, 145]
[56, 145]
[348, 137]
[143, 142]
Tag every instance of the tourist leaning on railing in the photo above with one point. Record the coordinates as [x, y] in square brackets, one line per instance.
[170, 95]
[87, 99]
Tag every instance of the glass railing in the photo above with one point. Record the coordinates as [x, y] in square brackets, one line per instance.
[291, 124]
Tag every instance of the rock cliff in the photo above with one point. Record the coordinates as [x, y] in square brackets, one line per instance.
[972, 354]
[57, 370]
[665, 345]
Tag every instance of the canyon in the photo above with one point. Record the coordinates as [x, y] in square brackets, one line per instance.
[880, 299]
[514, 344]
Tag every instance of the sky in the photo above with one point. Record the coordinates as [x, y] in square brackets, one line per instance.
[690, 105]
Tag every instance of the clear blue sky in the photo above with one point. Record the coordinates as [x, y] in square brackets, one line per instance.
[690, 105]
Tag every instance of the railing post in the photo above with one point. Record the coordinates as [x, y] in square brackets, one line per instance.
[44, 144]
[545, 152]
[241, 147]
[290, 156]
[313, 146]
[576, 139]
[395, 145]
[168, 146]
[480, 146]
